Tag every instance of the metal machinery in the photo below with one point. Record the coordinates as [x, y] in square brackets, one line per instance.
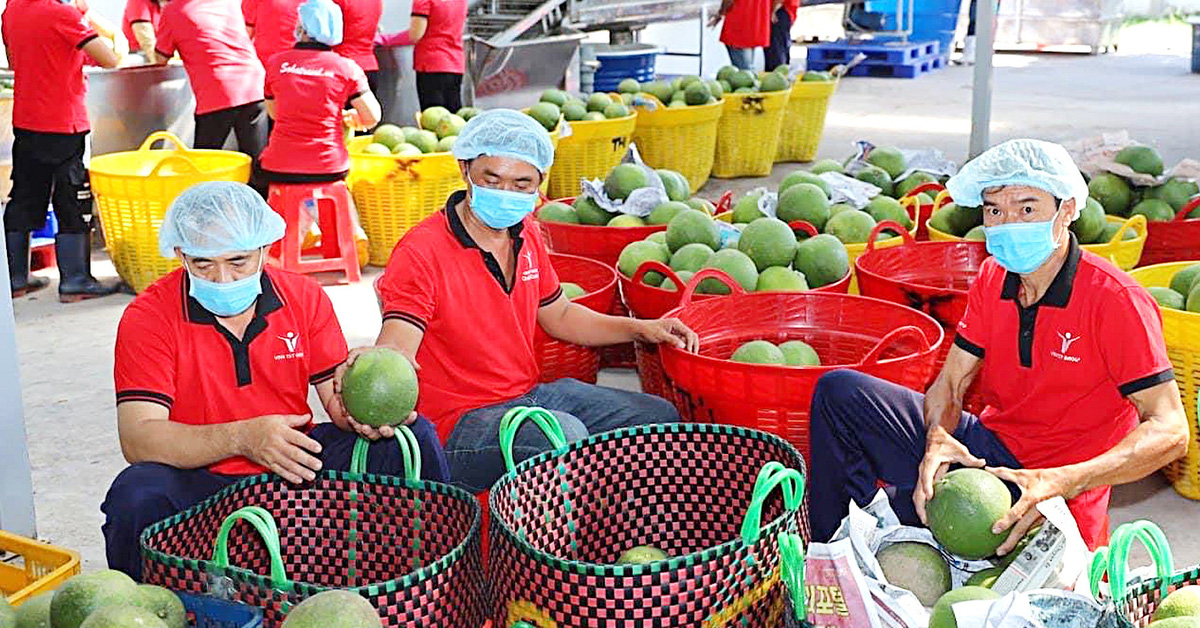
[1038, 24]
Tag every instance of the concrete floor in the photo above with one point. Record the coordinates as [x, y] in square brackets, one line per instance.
[66, 351]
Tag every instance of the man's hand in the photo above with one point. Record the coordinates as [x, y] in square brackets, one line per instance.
[941, 451]
[342, 418]
[668, 330]
[1037, 485]
[275, 442]
[715, 20]
[352, 121]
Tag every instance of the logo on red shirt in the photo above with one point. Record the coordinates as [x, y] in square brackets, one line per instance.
[1067, 341]
[291, 341]
[288, 68]
[531, 272]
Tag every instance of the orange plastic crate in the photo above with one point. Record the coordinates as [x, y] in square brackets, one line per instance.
[29, 567]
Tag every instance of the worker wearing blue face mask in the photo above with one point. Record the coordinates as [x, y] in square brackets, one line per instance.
[465, 291]
[213, 367]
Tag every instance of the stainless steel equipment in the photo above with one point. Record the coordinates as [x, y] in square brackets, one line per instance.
[514, 75]
[1041, 24]
[129, 103]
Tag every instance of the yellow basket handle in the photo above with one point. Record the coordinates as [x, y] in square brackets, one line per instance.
[178, 160]
[165, 136]
[1137, 222]
[941, 199]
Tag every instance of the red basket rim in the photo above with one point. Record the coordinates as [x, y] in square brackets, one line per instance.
[864, 263]
[591, 298]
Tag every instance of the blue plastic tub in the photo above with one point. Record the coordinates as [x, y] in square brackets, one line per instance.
[622, 61]
[51, 228]
[207, 612]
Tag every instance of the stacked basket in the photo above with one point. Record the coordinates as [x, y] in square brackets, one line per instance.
[558, 359]
[804, 120]
[748, 134]
[683, 139]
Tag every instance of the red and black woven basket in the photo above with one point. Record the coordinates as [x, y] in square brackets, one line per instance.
[1133, 605]
[558, 359]
[409, 547]
[700, 493]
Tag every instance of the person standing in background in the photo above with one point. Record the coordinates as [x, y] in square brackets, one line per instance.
[105, 29]
[360, 23]
[747, 26]
[271, 25]
[139, 23]
[780, 51]
[436, 31]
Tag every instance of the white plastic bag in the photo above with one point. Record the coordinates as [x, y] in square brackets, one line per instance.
[641, 202]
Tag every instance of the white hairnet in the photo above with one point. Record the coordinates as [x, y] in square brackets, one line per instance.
[218, 218]
[1034, 163]
[322, 21]
[505, 133]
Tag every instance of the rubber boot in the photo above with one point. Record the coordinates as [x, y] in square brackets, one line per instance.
[968, 54]
[76, 282]
[17, 246]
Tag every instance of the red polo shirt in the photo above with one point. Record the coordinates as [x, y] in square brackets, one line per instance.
[172, 351]
[44, 40]
[791, 6]
[441, 48]
[1057, 376]
[310, 84]
[212, 41]
[274, 23]
[360, 21]
[478, 345]
[748, 24]
[139, 11]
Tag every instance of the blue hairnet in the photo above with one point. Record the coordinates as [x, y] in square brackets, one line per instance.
[322, 20]
[1034, 163]
[505, 133]
[218, 218]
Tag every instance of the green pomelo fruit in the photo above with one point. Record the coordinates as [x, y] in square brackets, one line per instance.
[726, 72]
[677, 186]
[1176, 622]
[547, 114]
[557, 212]
[628, 86]
[661, 90]
[1112, 192]
[626, 220]
[555, 96]
[823, 259]
[389, 135]
[838, 208]
[35, 613]
[616, 110]
[432, 116]
[406, 150]
[697, 93]
[83, 595]
[1011, 557]
[916, 567]
[1167, 297]
[1154, 210]
[976, 234]
[164, 604]
[890, 159]
[380, 388]
[574, 111]
[691, 257]
[804, 201]
[758, 352]
[1090, 224]
[328, 609]
[877, 177]
[716, 89]
[913, 181]
[122, 616]
[572, 290]
[1183, 280]
[773, 82]
[664, 212]
[627, 99]
[426, 141]
[826, 165]
[1142, 159]
[963, 219]
[799, 353]
[446, 144]
[852, 227]
[466, 113]
[641, 555]
[745, 90]
[1183, 602]
[1111, 229]
[966, 504]
[589, 213]
[684, 276]
[637, 253]
[803, 176]
[942, 615]
[594, 116]
[812, 75]
[378, 149]
[659, 237]
[746, 210]
[942, 220]
[884, 208]
[409, 133]
[8, 614]
[742, 79]
[780, 279]
[734, 263]
[769, 242]
[782, 68]
[702, 205]
[449, 126]
[1193, 298]
[624, 179]
[1176, 192]
[598, 102]
[693, 226]
[985, 578]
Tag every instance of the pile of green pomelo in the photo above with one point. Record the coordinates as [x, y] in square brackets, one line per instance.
[1183, 292]
[438, 131]
[556, 104]
[620, 182]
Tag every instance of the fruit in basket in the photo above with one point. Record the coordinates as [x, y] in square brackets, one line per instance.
[890, 159]
[734, 263]
[823, 259]
[976, 234]
[852, 227]
[799, 353]
[780, 279]
[626, 220]
[804, 201]
[380, 388]
[122, 616]
[557, 212]
[660, 90]
[572, 290]
[985, 578]
[406, 150]
[594, 116]
[637, 253]
[1175, 192]
[1193, 298]
[943, 616]
[389, 135]
[966, 504]
[658, 236]
[813, 75]
[598, 101]
[942, 220]
[690, 257]
[664, 212]
[877, 177]
[684, 276]
[555, 96]
[446, 144]
[716, 89]
[164, 604]
[333, 608]
[449, 125]
[466, 113]
[1176, 622]
[826, 165]
[1111, 229]
[547, 114]
[1112, 192]
[677, 186]
[758, 352]
[8, 614]
[697, 93]
[742, 79]
[1183, 280]
[884, 208]
[1090, 225]
[773, 82]
[83, 595]
[628, 86]
[35, 613]
[1183, 602]
[701, 205]
[769, 242]
[409, 133]
[838, 208]
[425, 141]
[431, 117]
[803, 176]
[574, 111]
[693, 226]
[615, 110]
[913, 181]
[1154, 209]
[746, 210]
[1142, 159]
[916, 567]
[726, 72]
[589, 212]
[623, 179]
[642, 555]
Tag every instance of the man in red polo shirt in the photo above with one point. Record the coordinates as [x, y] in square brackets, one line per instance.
[436, 29]
[47, 43]
[139, 23]
[213, 367]
[747, 27]
[1080, 393]
[464, 292]
[272, 26]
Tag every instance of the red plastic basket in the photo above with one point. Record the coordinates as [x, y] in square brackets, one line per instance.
[876, 337]
[558, 359]
[933, 277]
[1174, 241]
[923, 211]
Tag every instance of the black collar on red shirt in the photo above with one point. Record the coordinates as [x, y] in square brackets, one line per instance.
[266, 303]
[312, 45]
[1059, 292]
[464, 238]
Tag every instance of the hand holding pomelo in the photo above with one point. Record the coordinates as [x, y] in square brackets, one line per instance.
[380, 388]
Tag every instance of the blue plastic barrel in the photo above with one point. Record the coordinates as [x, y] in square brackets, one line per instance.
[933, 20]
[621, 61]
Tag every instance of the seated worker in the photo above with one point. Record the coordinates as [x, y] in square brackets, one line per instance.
[1069, 350]
[464, 292]
[213, 367]
[307, 87]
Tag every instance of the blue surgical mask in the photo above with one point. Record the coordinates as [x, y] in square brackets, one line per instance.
[500, 209]
[226, 299]
[1021, 247]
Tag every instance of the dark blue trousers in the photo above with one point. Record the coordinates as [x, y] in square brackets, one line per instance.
[867, 432]
[148, 492]
[779, 52]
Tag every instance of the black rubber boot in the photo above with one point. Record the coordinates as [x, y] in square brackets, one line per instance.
[76, 282]
[16, 244]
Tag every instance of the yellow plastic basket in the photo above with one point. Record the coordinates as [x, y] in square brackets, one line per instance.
[748, 134]
[29, 567]
[804, 120]
[589, 152]
[1181, 330]
[133, 190]
[683, 139]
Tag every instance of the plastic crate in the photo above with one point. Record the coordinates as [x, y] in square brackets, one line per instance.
[207, 612]
[36, 567]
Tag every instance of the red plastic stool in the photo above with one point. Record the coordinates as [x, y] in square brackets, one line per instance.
[337, 250]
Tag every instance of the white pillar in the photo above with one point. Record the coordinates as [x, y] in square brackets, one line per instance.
[16, 487]
[981, 99]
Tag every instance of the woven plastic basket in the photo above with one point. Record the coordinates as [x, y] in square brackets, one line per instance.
[683, 139]
[1181, 330]
[410, 547]
[133, 190]
[879, 338]
[704, 494]
[590, 151]
[804, 120]
[558, 359]
[1174, 241]
[1132, 604]
[748, 134]
[1125, 254]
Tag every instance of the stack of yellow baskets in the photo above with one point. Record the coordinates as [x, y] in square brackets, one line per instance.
[804, 120]
[748, 134]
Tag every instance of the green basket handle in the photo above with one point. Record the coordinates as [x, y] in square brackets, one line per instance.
[513, 420]
[791, 569]
[265, 524]
[165, 136]
[1114, 559]
[410, 451]
[773, 474]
